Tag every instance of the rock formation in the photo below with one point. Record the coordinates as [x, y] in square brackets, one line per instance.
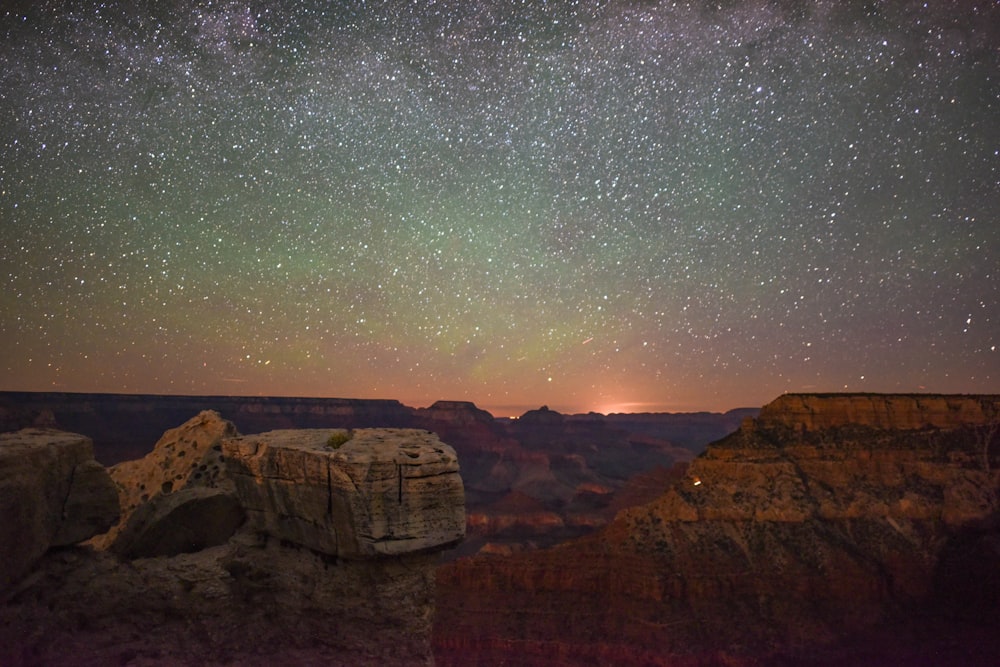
[381, 492]
[184, 474]
[555, 460]
[186, 581]
[903, 412]
[52, 493]
[800, 533]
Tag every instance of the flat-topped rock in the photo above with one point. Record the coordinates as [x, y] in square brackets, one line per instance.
[382, 492]
[813, 412]
[52, 493]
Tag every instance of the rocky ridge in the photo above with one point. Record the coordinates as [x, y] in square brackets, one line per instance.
[797, 534]
[185, 580]
[901, 412]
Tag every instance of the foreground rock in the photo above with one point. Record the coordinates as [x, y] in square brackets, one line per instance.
[361, 494]
[803, 532]
[183, 477]
[52, 493]
[265, 595]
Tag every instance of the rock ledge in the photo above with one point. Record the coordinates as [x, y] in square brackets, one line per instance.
[383, 492]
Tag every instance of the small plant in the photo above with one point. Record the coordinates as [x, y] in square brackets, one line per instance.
[337, 439]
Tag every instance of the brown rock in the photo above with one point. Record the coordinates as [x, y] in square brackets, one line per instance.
[382, 492]
[52, 493]
[92, 504]
[185, 521]
[813, 412]
[187, 456]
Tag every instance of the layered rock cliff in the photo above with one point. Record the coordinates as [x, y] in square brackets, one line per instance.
[333, 565]
[802, 532]
[902, 412]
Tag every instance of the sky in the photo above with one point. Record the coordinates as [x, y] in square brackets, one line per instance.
[605, 205]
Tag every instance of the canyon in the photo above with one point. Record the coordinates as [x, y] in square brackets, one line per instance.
[831, 530]
[822, 529]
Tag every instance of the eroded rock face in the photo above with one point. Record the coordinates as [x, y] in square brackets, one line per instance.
[52, 493]
[904, 412]
[383, 492]
[783, 538]
[186, 457]
[177, 585]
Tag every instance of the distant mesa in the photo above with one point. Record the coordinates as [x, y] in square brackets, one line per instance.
[815, 412]
[541, 416]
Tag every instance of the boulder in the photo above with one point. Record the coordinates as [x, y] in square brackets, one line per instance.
[52, 493]
[90, 507]
[383, 492]
[188, 456]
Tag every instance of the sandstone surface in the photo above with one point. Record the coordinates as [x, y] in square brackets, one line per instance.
[382, 492]
[177, 586]
[186, 457]
[778, 542]
[52, 493]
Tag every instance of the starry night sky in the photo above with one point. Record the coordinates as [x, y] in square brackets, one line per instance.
[594, 205]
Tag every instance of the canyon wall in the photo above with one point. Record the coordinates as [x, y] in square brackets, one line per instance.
[801, 533]
[903, 412]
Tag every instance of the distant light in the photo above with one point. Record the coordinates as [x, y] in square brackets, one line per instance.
[697, 482]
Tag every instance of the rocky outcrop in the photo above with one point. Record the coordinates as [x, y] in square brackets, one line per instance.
[183, 476]
[779, 542]
[52, 493]
[550, 457]
[170, 590]
[365, 494]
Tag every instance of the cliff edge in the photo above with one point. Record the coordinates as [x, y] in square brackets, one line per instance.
[901, 412]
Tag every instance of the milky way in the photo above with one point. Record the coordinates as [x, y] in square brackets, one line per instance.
[592, 205]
